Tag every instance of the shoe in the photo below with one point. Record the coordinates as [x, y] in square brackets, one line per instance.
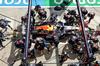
[48, 49]
[3, 40]
[3, 46]
[22, 51]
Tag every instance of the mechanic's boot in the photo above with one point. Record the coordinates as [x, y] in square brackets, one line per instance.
[48, 49]
[3, 40]
[22, 51]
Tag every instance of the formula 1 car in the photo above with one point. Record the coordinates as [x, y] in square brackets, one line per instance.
[52, 32]
[48, 32]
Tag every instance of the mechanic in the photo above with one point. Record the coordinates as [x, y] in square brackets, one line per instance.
[71, 12]
[20, 44]
[30, 41]
[24, 18]
[76, 44]
[77, 48]
[55, 40]
[32, 16]
[77, 35]
[69, 19]
[31, 54]
[33, 13]
[63, 57]
[94, 47]
[42, 13]
[91, 15]
[72, 40]
[37, 7]
[79, 42]
[86, 25]
[4, 24]
[84, 12]
[88, 35]
[1, 38]
[53, 17]
[94, 39]
[40, 44]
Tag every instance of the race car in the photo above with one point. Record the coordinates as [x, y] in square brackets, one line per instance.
[52, 31]
[48, 32]
[47, 28]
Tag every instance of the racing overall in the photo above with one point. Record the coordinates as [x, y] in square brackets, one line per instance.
[42, 13]
[63, 57]
[69, 19]
[40, 44]
[19, 44]
[3, 24]
[91, 15]
[32, 16]
[31, 54]
[94, 47]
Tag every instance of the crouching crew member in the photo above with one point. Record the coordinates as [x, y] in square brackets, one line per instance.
[94, 39]
[4, 24]
[69, 19]
[20, 44]
[31, 54]
[40, 44]
[72, 40]
[42, 13]
[94, 47]
[91, 15]
[63, 57]
[53, 17]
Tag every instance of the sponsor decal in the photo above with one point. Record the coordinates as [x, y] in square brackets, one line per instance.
[48, 2]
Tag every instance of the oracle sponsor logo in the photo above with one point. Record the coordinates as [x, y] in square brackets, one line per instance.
[20, 2]
[13, 1]
[48, 2]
